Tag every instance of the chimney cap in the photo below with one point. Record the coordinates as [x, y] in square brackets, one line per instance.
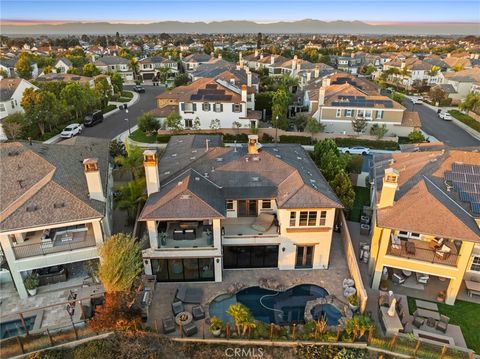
[244, 87]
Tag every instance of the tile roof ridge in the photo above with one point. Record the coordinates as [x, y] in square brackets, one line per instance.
[206, 203]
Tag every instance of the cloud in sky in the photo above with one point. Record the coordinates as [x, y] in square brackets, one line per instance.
[256, 10]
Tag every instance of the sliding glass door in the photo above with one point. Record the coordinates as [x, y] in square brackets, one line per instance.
[250, 257]
[183, 269]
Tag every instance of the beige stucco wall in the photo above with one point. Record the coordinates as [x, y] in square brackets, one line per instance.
[389, 115]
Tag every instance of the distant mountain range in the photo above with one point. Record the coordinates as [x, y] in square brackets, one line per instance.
[301, 26]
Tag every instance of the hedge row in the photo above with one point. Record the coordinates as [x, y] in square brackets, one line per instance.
[378, 145]
[297, 139]
[109, 108]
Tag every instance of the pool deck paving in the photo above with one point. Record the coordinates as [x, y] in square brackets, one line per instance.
[235, 279]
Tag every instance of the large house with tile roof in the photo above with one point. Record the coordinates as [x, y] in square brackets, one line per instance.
[55, 208]
[117, 64]
[462, 82]
[337, 100]
[426, 231]
[210, 101]
[211, 208]
[149, 67]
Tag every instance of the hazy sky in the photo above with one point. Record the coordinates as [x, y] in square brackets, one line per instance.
[260, 10]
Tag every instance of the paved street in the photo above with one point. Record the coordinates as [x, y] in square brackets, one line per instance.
[116, 124]
[445, 131]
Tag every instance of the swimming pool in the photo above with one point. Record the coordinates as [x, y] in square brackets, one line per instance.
[271, 306]
[15, 327]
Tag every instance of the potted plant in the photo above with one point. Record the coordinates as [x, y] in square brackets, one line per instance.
[31, 283]
[441, 296]
[353, 302]
[216, 326]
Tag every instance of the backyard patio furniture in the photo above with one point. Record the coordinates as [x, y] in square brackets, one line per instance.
[443, 252]
[396, 246]
[177, 307]
[393, 324]
[263, 222]
[422, 278]
[425, 313]
[431, 322]
[442, 324]
[183, 318]
[168, 325]
[417, 321]
[426, 305]
[198, 312]
[406, 273]
[436, 243]
[472, 287]
[190, 329]
[364, 229]
[410, 248]
[189, 295]
[398, 278]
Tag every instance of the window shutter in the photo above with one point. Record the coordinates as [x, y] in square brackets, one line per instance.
[221, 107]
[233, 107]
[194, 107]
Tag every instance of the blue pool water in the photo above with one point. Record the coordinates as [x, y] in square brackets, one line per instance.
[270, 306]
[15, 327]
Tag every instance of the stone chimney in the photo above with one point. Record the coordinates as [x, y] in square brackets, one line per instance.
[402, 65]
[309, 76]
[94, 179]
[249, 77]
[316, 74]
[253, 144]
[272, 59]
[389, 188]
[294, 62]
[244, 93]
[299, 67]
[321, 96]
[326, 82]
[152, 177]
[240, 57]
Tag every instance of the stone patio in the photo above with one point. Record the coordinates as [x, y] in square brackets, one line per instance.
[234, 279]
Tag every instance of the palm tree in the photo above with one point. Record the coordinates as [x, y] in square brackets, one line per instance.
[240, 315]
[133, 65]
[130, 197]
[132, 162]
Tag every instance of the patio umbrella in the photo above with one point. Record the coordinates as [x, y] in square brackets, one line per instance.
[391, 310]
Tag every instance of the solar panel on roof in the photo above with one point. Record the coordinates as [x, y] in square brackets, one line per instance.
[475, 207]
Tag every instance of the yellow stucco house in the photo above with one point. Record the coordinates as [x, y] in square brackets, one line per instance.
[426, 226]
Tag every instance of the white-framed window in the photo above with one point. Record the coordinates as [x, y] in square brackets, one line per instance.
[206, 106]
[236, 107]
[308, 219]
[12, 103]
[360, 113]
[266, 204]
[188, 123]
[348, 113]
[475, 264]
[339, 112]
[379, 115]
[218, 107]
[188, 107]
[230, 205]
[2, 107]
[368, 114]
[323, 218]
[405, 234]
[293, 219]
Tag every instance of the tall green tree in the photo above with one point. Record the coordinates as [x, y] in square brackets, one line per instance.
[90, 70]
[359, 124]
[173, 122]
[130, 197]
[471, 102]
[77, 98]
[121, 263]
[148, 123]
[132, 162]
[103, 90]
[24, 66]
[313, 126]
[343, 188]
[117, 82]
[280, 102]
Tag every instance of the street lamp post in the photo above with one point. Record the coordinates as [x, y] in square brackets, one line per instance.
[128, 121]
[276, 129]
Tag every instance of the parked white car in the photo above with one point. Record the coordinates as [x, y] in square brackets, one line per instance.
[445, 116]
[71, 130]
[357, 150]
[416, 100]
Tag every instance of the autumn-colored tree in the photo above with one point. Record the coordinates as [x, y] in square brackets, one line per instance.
[24, 66]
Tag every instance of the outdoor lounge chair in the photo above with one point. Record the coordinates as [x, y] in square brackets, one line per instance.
[189, 295]
[177, 307]
[442, 324]
[190, 329]
[168, 325]
[198, 312]
[417, 321]
[263, 222]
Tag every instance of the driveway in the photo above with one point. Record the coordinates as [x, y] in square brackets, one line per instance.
[445, 131]
[116, 123]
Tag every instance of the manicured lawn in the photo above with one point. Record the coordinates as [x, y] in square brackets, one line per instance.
[464, 314]
[469, 121]
[127, 94]
[140, 136]
[362, 198]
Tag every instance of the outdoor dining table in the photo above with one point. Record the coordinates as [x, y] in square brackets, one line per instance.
[425, 313]
[426, 305]
[392, 324]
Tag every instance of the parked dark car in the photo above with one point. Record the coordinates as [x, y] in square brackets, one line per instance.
[139, 89]
[93, 118]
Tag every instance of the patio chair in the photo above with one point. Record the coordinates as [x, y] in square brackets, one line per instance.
[190, 329]
[398, 278]
[177, 307]
[417, 321]
[198, 312]
[422, 278]
[442, 324]
[168, 325]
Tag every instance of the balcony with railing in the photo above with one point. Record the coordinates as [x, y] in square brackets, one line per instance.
[191, 234]
[45, 242]
[445, 253]
[256, 227]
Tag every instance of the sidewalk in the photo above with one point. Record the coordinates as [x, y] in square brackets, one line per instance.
[130, 103]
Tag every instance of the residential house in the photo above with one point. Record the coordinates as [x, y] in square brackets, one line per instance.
[212, 208]
[7, 66]
[411, 71]
[426, 220]
[115, 64]
[149, 67]
[462, 82]
[350, 64]
[55, 208]
[337, 105]
[11, 93]
[191, 62]
[209, 101]
[63, 65]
